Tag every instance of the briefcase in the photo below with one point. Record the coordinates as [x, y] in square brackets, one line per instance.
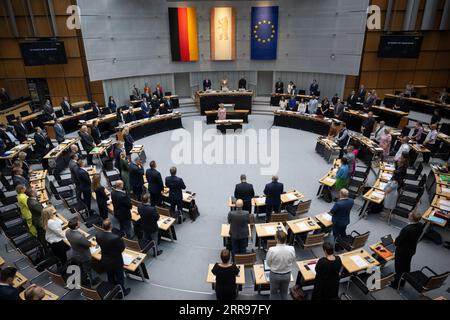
[193, 211]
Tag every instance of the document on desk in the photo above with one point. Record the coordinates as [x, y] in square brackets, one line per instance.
[383, 185]
[127, 259]
[312, 267]
[445, 203]
[330, 180]
[302, 226]
[291, 196]
[94, 249]
[326, 217]
[270, 230]
[444, 207]
[260, 201]
[360, 262]
[387, 176]
[445, 190]
[378, 194]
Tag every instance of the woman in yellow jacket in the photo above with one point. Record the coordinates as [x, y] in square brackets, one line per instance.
[22, 199]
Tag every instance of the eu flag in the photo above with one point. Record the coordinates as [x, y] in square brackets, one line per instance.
[264, 33]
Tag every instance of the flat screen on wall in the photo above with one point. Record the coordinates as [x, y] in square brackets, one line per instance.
[38, 53]
[400, 46]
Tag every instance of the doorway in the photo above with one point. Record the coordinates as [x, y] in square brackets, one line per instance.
[265, 79]
[182, 85]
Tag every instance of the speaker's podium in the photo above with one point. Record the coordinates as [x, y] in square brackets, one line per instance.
[229, 124]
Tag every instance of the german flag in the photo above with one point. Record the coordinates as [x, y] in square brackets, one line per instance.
[183, 34]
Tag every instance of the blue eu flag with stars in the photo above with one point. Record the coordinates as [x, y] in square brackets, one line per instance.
[264, 33]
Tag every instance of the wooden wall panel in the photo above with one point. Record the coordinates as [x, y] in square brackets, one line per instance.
[39, 7]
[73, 67]
[60, 6]
[35, 72]
[76, 86]
[57, 87]
[54, 71]
[43, 27]
[370, 79]
[9, 49]
[14, 68]
[386, 79]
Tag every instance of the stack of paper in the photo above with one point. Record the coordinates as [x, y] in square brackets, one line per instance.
[360, 262]
[127, 259]
[94, 249]
[378, 194]
[445, 190]
[291, 196]
[302, 226]
[327, 217]
[312, 267]
[270, 230]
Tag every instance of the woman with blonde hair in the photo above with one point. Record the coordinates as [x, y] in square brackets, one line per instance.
[22, 200]
[100, 196]
[128, 139]
[54, 234]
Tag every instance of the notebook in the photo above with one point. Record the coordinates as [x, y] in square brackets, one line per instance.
[388, 243]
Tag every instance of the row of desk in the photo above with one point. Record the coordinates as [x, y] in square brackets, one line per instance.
[420, 105]
[301, 121]
[210, 100]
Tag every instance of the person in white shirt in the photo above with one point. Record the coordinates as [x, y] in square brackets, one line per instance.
[54, 234]
[302, 106]
[379, 132]
[291, 88]
[403, 148]
[430, 142]
[280, 260]
[283, 103]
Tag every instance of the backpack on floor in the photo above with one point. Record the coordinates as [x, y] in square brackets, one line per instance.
[297, 293]
[193, 211]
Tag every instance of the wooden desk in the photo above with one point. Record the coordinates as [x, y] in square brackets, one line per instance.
[305, 122]
[443, 191]
[393, 118]
[165, 224]
[15, 111]
[307, 269]
[350, 259]
[19, 280]
[14, 152]
[261, 281]
[2, 261]
[225, 231]
[441, 203]
[49, 296]
[69, 122]
[240, 278]
[427, 217]
[325, 219]
[38, 175]
[384, 166]
[267, 230]
[59, 150]
[372, 196]
[304, 225]
[286, 198]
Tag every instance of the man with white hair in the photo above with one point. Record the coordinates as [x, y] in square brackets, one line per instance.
[137, 177]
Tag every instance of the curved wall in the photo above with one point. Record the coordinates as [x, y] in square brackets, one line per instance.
[135, 34]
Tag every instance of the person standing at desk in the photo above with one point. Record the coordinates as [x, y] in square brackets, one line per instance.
[159, 91]
[239, 220]
[242, 83]
[405, 247]
[302, 106]
[21, 130]
[95, 133]
[22, 201]
[66, 106]
[368, 125]
[362, 94]
[118, 149]
[342, 137]
[122, 208]
[4, 96]
[404, 148]
[145, 108]
[129, 141]
[147, 90]
[352, 99]
[279, 86]
[273, 192]
[339, 110]
[137, 177]
[155, 184]
[7, 290]
[8, 136]
[154, 104]
[207, 85]
[136, 92]
[48, 113]
[81, 253]
[385, 142]
[314, 88]
[280, 260]
[226, 274]
[341, 214]
[112, 104]
[313, 105]
[291, 88]
[100, 196]
[85, 184]
[149, 218]
[418, 131]
[379, 132]
[59, 131]
[55, 235]
[328, 269]
[390, 197]
[224, 84]
[112, 247]
[430, 142]
[96, 110]
[36, 209]
[245, 192]
[222, 112]
[176, 186]
[125, 171]
[88, 143]
[342, 175]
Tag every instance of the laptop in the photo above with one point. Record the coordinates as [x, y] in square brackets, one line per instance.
[388, 243]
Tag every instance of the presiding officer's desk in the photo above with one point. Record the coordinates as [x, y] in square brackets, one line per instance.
[210, 100]
[150, 126]
[303, 121]
[212, 115]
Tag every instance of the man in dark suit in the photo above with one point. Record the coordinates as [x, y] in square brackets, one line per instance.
[88, 143]
[341, 214]
[95, 133]
[8, 136]
[112, 247]
[245, 192]
[207, 85]
[41, 145]
[81, 253]
[362, 94]
[155, 184]
[18, 178]
[66, 106]
[406, 244]
[176, 186]
[96, 110]
[273, 192]
[122, 208]
[84, 183]
[59, 131]
[149, 220]
[145, 108]
[239, 220]
[242, 83]
[21, 130]
[36, 209]
[279, 86]
[352, 99]
[4, 96]
[48, 113]
[137, 177]
[314, 88]
[7, 290]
